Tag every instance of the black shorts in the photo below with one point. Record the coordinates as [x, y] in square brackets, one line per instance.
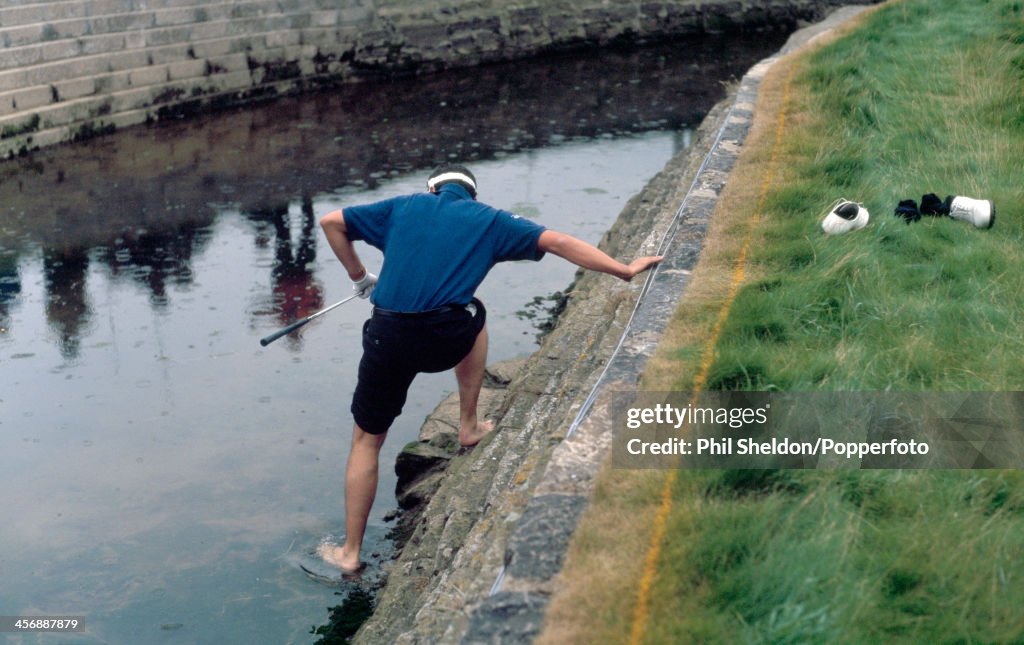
[398, 346]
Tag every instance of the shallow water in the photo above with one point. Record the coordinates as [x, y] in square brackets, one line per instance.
[162, 472]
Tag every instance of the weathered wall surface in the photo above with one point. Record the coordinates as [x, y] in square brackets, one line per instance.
[70, 69]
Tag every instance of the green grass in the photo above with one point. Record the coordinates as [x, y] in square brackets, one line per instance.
[927, 96]
[850, 558]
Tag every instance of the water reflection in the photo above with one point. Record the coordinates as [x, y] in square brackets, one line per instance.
[296, 292]
[143, 197]
[155, 259]
[10, 287]
[67, 306]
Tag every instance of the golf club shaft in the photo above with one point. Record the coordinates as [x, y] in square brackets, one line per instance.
[299, 323]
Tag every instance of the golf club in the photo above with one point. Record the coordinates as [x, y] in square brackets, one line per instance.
[299, 323]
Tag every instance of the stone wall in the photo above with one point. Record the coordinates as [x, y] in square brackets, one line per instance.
[71, 69]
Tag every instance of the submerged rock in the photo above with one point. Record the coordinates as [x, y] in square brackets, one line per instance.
[421, 464]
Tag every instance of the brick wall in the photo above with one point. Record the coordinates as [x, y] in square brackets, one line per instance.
[71, 69]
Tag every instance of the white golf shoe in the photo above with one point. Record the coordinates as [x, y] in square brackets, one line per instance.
[846, 216]
[979, 212]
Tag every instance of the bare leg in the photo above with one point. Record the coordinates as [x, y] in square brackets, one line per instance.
[360, 490]
[470, 375]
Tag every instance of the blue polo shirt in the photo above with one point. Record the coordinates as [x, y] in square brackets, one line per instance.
[438, 247]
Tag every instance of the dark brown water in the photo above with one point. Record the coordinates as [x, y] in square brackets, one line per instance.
[160, 469]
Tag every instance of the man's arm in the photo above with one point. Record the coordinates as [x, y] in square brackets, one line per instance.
[333, 224]
[589, 256]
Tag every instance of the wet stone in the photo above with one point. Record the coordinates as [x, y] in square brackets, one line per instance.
[537, 549]
[513, 617]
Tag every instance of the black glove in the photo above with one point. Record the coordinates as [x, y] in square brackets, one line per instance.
[907, 209]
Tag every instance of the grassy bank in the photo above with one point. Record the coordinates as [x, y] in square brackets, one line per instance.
[919, 96]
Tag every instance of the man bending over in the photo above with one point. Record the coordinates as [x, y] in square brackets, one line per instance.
[438, 247]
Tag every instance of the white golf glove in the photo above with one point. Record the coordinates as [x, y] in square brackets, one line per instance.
[364, 286]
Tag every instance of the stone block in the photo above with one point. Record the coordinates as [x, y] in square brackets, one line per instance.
[110, 7]
[120, 61]
[51, 137]
[342, 44]
[12, 79]
[245, 44]
[212, 48]
[300, 52]
[168, 36]
[319, 37]
[19, 123]
[176, 16]
[306, 66]
[283, 38]
[245, 10]
[66, 29]
[70, 112]
[22, 57]
[563, 28]
[128, 118]
[297, 6]
[75, 88]
[358, 15]
[323, 19]
[209, 31]
[45, 74]
[15, 16]
[166, 55]
[113, 82]
[186, 69]
[32, 97]
[213, 13]
[145, 76]
[240, 27]
[121, 22]
[60, 50]
[228, 64]
[21, 36]
[425, 36]
[144, 97]
[231, 81]
[295, 21]
[135, 39]
[6, 103]
[104, 44]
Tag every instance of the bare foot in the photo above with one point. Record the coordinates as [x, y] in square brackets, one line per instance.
[336, 556]
[470, 439]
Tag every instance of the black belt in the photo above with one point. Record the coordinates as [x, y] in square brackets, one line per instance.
[418, 314]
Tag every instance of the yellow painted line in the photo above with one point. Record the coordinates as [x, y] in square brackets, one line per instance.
[640, 612]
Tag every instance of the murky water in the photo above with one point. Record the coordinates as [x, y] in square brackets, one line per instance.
[160, 469]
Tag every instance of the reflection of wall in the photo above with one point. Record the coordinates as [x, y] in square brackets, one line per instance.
[140, 204]
[172, 174]
[70, 70]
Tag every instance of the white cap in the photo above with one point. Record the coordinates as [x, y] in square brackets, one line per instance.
[451, 176]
